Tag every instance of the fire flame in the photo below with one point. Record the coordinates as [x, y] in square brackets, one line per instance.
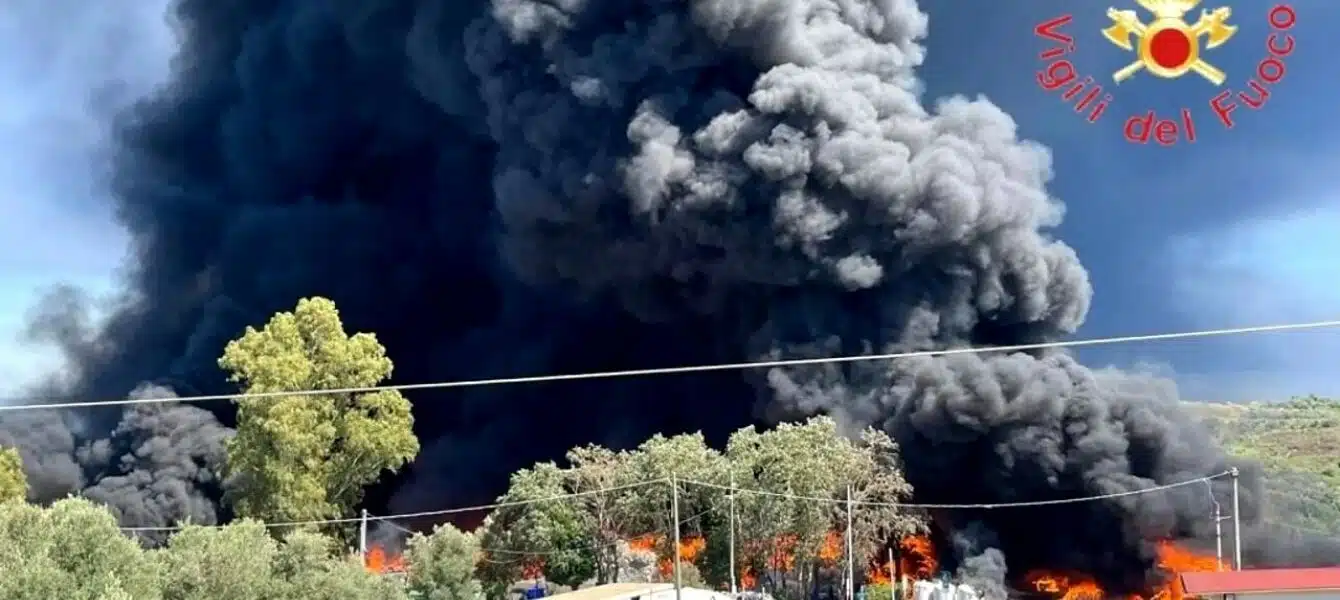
[915, 560]
[833, 547]
[378, 560]
[917, 557]
[533, 569]
[781, 555]
[1172, 559]
[689, 549]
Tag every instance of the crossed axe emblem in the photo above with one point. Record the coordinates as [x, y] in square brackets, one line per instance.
[1169, 23]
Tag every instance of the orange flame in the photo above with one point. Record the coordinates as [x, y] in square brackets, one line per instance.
[1175, 561]
[644, 543]
[780, 555]
[1172, 559]
[877, 573]
[916, 557]
[532, 570]
[1064, 587]
[833, 547]
[378, 560]
[689, 549]
[747, 579]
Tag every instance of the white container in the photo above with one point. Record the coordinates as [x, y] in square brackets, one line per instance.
[966, 592]
[924, 590]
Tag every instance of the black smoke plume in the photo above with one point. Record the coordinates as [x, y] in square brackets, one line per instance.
[521, 187]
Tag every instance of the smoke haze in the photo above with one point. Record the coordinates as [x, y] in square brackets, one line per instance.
[521, 187]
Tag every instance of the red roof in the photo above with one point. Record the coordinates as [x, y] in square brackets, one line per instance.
[1261, 581]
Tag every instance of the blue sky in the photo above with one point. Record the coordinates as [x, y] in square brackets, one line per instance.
[1238, 229]
[64, 66]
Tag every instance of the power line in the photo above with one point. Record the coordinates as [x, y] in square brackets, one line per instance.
[430, 513]
[527, 553]
[980, 505]
[914, 505]
[705, 368]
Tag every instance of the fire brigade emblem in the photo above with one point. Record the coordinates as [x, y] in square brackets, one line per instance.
[1168, 46]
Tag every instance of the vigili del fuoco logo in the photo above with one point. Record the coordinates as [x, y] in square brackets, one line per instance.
[1164, 43]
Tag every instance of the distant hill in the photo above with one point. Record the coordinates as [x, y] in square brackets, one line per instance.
[1298, 442]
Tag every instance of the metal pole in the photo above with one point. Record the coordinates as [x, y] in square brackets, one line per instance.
[1237, 522]
[893, 578]
[363, 537]
[851, 554]
[733, 588]
[1218, 537]
[1218, 526]
[674, 514]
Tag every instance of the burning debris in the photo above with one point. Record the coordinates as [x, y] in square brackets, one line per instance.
[920, 577]
[690, 548]
[1173, 560]
[381, 560]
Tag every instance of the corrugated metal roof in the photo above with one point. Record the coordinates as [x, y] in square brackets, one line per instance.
[1261, 581]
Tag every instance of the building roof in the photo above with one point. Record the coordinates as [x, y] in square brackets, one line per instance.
[1261, 581]
[613, 591]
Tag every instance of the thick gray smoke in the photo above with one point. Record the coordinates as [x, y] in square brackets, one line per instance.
[161, 463]
[519, 186]
[159, 466]
[981, 565]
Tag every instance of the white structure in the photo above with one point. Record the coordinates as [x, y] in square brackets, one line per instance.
[942, 590]
[640, 591]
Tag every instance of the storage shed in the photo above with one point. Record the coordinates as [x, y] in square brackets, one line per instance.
[1265, 584]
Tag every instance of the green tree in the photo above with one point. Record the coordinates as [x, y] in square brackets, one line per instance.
[603, 519]
[686, 459]
[579, 536]
[223, 563]
[242, 561]
[515, 536]
[802, 462]
[73, 551]
[442, 565]
[298, 458]
[13, 483]
[309, 565]
[571, 559]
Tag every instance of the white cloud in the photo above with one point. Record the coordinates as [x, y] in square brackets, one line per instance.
[1275, 269]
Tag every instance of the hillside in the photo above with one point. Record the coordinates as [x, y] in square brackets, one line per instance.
[1298, 442]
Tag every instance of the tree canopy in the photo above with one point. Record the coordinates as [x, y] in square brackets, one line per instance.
[13, 483]
[72, 550]
[299, 458]
[442, 565]
[244, 562]
[783, 537]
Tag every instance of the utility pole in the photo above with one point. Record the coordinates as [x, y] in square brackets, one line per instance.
[1218, 536]
[674, 515]
[1237, 522]
[363, 537]
[851, 552]
[1218, 526]
[733, 588]
[893, 578]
